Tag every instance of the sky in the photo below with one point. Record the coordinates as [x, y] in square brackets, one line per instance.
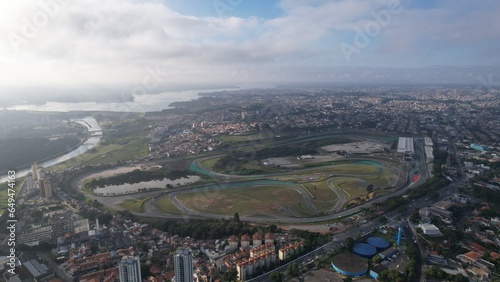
[147, 46]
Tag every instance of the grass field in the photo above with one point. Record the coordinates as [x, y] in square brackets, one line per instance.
[209, 163]
[324, 197]
[134, 204]
[4, 197]
[350, 187]
[111, 153]
[321, 191]
[123, 141]
[300, 210]
[245, 202]
[166, 206]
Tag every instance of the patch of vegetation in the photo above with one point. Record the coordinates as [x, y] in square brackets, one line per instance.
[134, 204]
[4, 195]
[166, 206]
[21, 152]
[312, 240]
[235, 161]
[124, 139]
[209, 163]
[430, 186]
[243, 201]
[208, 228]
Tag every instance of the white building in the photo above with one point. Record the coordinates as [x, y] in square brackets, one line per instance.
[428, 141]
[430, 229]
[429, 154]
[130, 269]
[405, 147]
[183, 266]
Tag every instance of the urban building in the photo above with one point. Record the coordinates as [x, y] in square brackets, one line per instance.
[46, 188]
[430, 229]
[183, 265]
[405, 147]
[130, 269]
[257, 240]
[245, 240]
[290, 250]
[429, 154]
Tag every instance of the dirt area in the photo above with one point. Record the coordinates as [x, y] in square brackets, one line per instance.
[363, 147]
[114, 171]
[320, 228]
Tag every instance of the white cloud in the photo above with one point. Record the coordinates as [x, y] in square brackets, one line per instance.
[111, 42]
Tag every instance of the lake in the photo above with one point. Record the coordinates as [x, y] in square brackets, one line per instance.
[132, 188]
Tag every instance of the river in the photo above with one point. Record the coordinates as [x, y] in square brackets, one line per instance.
[92, 126]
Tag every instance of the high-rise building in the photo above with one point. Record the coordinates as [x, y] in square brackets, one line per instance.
[130, 269]
[29, 182]
[47, 189]
[183, 264]
[34, 171]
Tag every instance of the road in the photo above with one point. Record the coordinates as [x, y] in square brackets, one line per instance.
[411, 239]
[340, 196]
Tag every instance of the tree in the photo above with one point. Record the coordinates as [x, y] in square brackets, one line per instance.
[369, 188]
[236, 217]
[415, 217]
[105, 218]
[230, 276]
[349, 242]
[145, 270]
[277, 276]
[376, 259]
[382, 219]
[347, 279]
[273, 228]
[293, 269]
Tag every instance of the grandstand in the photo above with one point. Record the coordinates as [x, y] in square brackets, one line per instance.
[405, 147]
[429, 155]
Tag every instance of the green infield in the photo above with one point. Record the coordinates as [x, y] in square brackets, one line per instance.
[253, 199]
[166, 206]
[323, 197]
[208, 163]
[134, 204]
[351, 187]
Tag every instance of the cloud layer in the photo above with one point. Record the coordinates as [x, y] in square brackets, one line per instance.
[111, 43]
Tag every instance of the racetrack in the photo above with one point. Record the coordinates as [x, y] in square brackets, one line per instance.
[150, 208]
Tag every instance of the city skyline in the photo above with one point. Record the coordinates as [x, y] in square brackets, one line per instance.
[87, 45]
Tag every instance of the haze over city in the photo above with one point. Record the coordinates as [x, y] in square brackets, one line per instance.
[61, 47]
